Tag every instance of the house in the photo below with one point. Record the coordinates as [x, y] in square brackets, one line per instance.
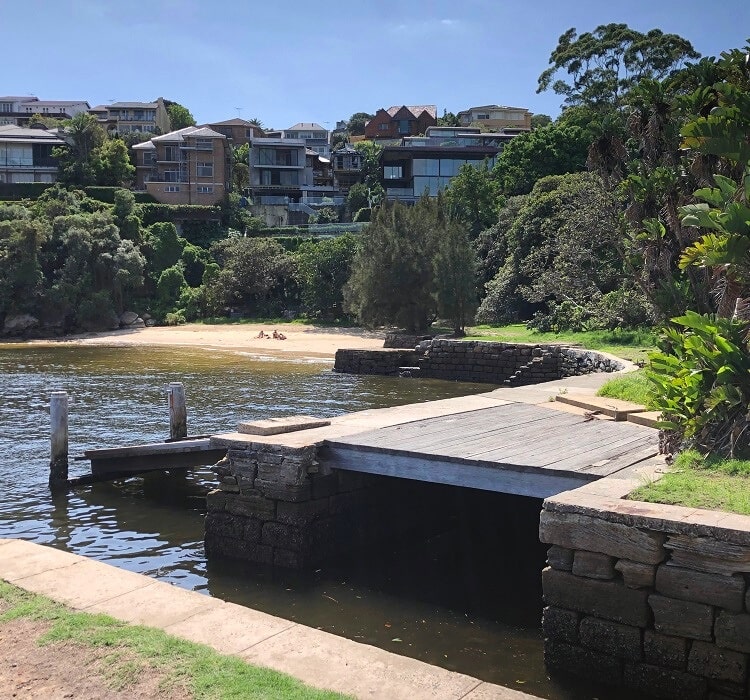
[346, 162]
[187, 166]
[26, 154]
[427, 164]
[314, 136]
[126, 117]
[18, 110]
[496, 118]
[396, 122]
[238, 131]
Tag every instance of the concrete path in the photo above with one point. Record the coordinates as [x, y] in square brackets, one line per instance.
[315, 657]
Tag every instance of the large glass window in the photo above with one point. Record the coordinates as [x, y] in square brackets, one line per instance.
[170, 153]
[392, 172]
[426, 166]
[205, 169]
[404, 126]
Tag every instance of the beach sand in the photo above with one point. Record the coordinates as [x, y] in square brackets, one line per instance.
[301, 340]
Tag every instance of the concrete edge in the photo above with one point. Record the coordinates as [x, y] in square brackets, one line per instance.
[315, 657]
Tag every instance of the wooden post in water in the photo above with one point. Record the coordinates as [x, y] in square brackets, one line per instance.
[58, 413]
[177, 411]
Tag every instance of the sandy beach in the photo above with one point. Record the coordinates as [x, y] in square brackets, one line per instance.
[300, 340]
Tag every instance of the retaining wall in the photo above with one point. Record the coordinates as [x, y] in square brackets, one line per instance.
[654, 598]
[512, 364]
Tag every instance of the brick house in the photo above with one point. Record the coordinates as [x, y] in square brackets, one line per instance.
[397, 122]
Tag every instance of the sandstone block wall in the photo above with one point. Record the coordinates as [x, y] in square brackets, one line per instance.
[657, 605]
[511, 364]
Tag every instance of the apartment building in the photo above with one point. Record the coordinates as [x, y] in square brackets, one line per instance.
[346, 163]
[496, 118]
[187, 166]
[126, 117]
[26, 154]
[238, 131]
[316, 137]
[19, 110]
[427, 164]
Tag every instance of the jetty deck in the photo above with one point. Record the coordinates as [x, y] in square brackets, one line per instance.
[510, 448]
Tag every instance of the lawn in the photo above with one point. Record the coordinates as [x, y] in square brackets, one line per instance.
[701, 482]
[634, 386]
[633, 345]
[131, 651]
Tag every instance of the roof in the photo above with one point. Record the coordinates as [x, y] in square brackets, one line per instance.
[192, 131]
[144, 145]
[133, 105]
[236, 122]
[472, 109]
[306, 126]
[416, 110]
[346, 148]
[23, 135]
[99, 108]
[56, 103]
[18, 98]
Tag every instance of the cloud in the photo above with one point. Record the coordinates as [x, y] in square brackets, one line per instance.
[426, 27]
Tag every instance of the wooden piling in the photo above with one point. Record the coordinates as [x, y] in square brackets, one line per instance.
[177, 411]
[58, 466]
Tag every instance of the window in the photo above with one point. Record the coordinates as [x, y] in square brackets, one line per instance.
[8, 107]
[248, 133]
[205, 169]
[424, 166]
[204, 189]
[383, 126]
[483, 115]
[404, 126]
[170, 153]
[392, 172]
[149, 157]
[204, 145]
[171, 176]
[172, 188]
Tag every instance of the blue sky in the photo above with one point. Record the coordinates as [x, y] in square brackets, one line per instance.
[286, 62]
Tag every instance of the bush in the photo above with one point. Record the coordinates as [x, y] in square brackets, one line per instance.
[363, 215]
[22, 190]
[174, 319]
[155, 213]
[107, 194]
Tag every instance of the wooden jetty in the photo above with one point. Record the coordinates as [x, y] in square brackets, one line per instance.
[513, 448]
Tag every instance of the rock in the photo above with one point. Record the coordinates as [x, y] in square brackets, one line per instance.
[635, 575]
[19, 324]
[593, 565]
[128, 317]
[726, 592]
[150, 322]
[682, 618]
[733, 631]
[611, 638]
[710, 661]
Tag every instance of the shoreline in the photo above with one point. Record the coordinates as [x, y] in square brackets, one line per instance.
[301, 340]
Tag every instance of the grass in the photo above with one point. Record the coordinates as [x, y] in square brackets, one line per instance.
[633, 386]
[134, 650]
[696, 481]
[633, 345]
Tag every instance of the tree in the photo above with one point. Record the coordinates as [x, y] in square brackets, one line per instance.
[448, 119]
[357, 198]
[179, 116]
[473, 197]
[549, 150]
[75, 160]
[605, 64]
[111, 164]
[356, 123]
[241, 167]
[371, 168]
[323, 268]
[455, 265]
[540, 120]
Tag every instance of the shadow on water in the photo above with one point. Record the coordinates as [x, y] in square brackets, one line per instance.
[463, 593]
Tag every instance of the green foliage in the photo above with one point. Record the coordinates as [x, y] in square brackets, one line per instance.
[76, 162]
[473, 197]
[256, 275]
[241, 167]
[326, 215]
[22, 190]
[203, 233]
[155, 213]
[21, 279]
[179, 116]
[540, 120]
[371, 168]
[356, 123]
[455, 264]
[111, 164]
[96, 313]
[702, 375]
[357, 198]
[323, 268]
[549, 150]
[604, 64]
[448, 119]
[363, 215]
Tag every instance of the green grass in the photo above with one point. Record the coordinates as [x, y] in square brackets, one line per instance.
[631, 345]
[132, 651]
[633, 386]
[702, 482]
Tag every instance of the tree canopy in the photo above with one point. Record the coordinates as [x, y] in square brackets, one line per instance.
[179, 115]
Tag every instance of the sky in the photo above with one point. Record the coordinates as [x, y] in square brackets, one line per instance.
[321, 61]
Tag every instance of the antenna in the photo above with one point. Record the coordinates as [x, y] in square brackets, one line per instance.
[239, 112]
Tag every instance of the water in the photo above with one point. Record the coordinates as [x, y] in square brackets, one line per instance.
[473, 609]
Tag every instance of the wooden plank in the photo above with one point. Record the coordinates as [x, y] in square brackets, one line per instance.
[455, 473]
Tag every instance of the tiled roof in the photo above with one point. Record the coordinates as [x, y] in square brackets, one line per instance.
[235, 122]
[472, 109]
[198, 132]
[306, 126]
[18, 98]
[416, 110]
[18, 133]
[144, 146]
[205, 133]
[133, 105]
[57, 103]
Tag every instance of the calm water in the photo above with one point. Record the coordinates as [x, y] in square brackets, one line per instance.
[473, 609]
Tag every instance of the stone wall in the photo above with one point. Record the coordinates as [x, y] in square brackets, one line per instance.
[274, 507]
[654, 598]
[512, 364]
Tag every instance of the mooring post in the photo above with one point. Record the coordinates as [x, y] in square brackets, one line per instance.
[58, 465]
[177, 411]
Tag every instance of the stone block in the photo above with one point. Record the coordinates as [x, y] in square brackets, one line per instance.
[657, 682]
[269, 458]
[709, 554]
[224, 525]
[560, 625]
[611, 638]
[560, 558]
[584, 663]
[733, 631]
[636, 575]
[229, 488]
[577, 531]
[284, 492]
[607, 599]
[682, 618]
[252, 532]
[252, 505]
[726, 592]
[282, 535]
[302, 513]
[216, 501]
[666, 651]
[710, 661]
[594, 565]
